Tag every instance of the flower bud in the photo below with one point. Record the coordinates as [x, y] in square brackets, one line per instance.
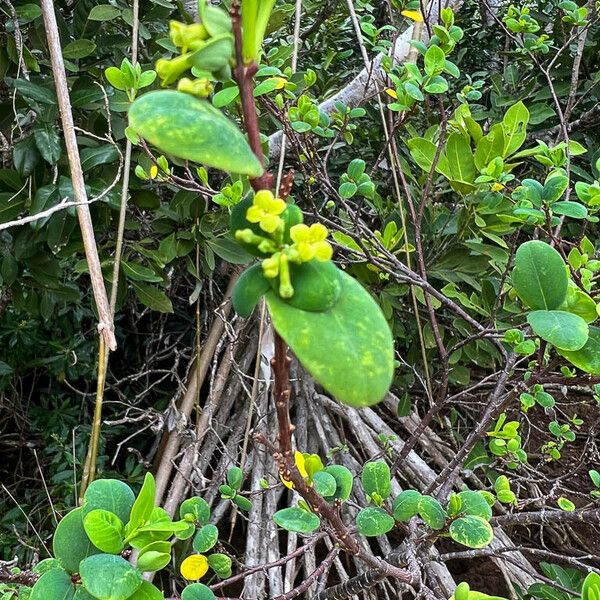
[197, 87]
[171, 70]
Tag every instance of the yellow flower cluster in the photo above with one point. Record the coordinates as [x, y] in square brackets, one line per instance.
[265, 211]
[309, 242]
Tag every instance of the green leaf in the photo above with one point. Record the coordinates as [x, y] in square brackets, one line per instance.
[109, 494]
[220, 564]
[317, 285]
[115, 77]
[242, 502]
[423, 152]
[105, 530]
[374, 521]
[190, 128]
[235, 477]
[229, 250]
[225, 96]
[587, 358]
[54, 585]
[104, 12]
[348, 189]
[28, 89]
[78, 49]
[109, 577]
[565, 504]
[376, 479]
[435, 60]
[591, 587]
[575, 210]
[579, 303]
[406, 505]
[354, 358]
[515, 127]
[554, 188]
[138, 272]
[473, 503]
[563, 330]
[47, 142]
[206, 537]
[343, 480]
[248, 290]
[431, 511]
[144, 504]
[195, 506]
[471, 531]
[539, 276]
[197, 591]
[153, 560]
[98, 155]
[71, 544]
[297, 519]
[146, 591]
[460, 158]
[152, 297]
[324, 484]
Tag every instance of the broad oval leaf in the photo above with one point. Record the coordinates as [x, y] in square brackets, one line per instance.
[193, 129]
[105, 530]
[473, 503]
[205, 538]
[471, 531]
[220, 564]
[109, 494]
[54, 585]
[374, 521]
[296, 519]
[248, 290]
[376, 479]
[146, 591]
[196, 506]
[194, 567]
[562, 329]
[348, 349]
[197, 591]
[431, 511]
[109, 577]
[343, 480]
[406, 505]
[587, 358]
[324, 484]
[152, 560]
[71, 544]
[539, 276]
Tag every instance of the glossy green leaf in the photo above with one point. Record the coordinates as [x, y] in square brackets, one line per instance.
[471, 531]
[78, 49]
[152, 297]
[146, 591]
[324, 484]
[591, 587]
[473, 503]
[109, 494]
[193, 129]
[587, 358]
[104, 12]
[197, 591]
[575, 210]
[431, 511]
[144, 503]
[354, 358]
[235, 477]
[376, 479]
[406, 505]
[460, 158]
[296, 519]
[105, 530]
[206, 537]
[374, 521]
[220, 564]
[515, 127]
[563, 330]
[109, 577]
[248, 290]
[579, 303]
[54, 585]
[423, 152]
[317, 285]
[71, 544]
[153, 560]
[196, 506]
[539, 276]
[343, 479]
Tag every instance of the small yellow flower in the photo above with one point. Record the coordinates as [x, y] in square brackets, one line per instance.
[265, 211]
[299, 460]
[496, 187]
[310, 242]
[414, 15]
[194, 567]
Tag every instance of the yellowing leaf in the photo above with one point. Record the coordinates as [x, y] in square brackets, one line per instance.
[496, 187]
[194, 567]
[281, 81]
[414, 15]
[392, 93]
[153, 172]
[299, 460]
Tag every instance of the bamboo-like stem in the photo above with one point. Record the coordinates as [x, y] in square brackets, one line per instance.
[105, 322]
